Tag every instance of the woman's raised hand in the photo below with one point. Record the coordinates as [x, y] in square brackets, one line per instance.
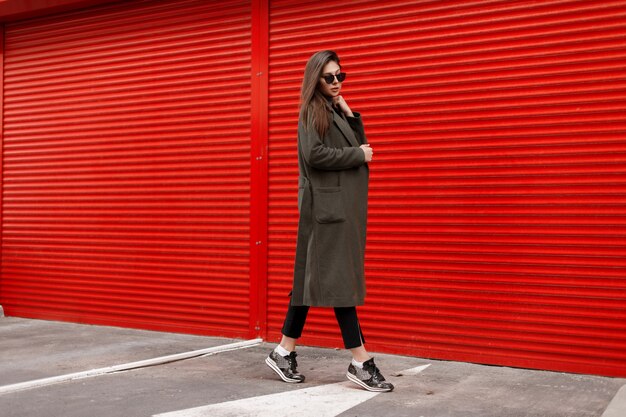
[339, 102]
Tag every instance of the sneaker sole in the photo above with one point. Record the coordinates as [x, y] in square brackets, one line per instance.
[276, 369]
[364, 385]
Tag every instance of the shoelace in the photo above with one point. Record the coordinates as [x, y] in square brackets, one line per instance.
[375, 372]
[293, 364]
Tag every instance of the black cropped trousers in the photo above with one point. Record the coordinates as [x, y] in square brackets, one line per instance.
[346, 318]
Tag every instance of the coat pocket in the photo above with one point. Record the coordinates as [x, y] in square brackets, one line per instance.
[328, 205]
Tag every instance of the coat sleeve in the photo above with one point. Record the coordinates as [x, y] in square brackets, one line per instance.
[320, 156]
[356, 123]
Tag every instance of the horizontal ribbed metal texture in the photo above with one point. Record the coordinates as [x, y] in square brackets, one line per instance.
[497, 217]
[127, 166]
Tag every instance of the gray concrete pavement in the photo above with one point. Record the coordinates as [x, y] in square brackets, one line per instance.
[33, 349]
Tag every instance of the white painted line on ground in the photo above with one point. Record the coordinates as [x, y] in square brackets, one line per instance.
[617, 406]
[322, 401]
[412, 371]
[128, 366]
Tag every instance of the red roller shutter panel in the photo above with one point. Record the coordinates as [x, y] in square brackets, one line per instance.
[497, 215]
[127, 166]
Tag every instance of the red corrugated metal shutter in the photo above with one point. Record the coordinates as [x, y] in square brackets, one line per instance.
[498, 192]
[127, 166]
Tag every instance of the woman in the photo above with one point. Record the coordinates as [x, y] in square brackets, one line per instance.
[332, 201]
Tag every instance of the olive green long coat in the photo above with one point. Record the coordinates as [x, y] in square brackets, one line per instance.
[332, 203]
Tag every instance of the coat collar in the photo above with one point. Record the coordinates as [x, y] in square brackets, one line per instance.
[345, 128]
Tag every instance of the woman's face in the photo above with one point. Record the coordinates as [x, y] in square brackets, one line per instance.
[330, 90]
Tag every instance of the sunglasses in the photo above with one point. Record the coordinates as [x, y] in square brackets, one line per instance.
[330, 78]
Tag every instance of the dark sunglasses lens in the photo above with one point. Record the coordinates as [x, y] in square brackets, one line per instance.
[331, 78]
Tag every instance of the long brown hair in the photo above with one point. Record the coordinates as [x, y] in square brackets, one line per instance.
[313, 104]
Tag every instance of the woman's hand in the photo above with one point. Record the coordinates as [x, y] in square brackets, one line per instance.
[338, 101]
[367, 150]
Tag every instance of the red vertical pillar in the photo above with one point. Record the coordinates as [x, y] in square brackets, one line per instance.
[259, 168]
[1, 158]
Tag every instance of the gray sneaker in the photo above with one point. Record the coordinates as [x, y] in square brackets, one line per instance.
[285, 366]
[369, 377]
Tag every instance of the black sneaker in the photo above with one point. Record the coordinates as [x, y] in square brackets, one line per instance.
[285, 366]
[369, 377]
